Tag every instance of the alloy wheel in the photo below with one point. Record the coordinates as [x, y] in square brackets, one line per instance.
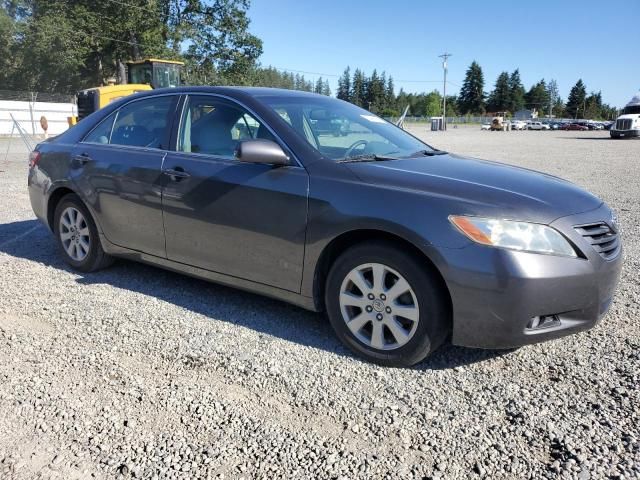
[379, 306]
[74, 234]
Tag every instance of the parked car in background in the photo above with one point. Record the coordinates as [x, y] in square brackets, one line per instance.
[574, 126]
[485, 126]
[537, 126]
[402, 250]
[518, 125]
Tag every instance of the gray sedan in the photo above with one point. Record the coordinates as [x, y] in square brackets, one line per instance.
[402, 245]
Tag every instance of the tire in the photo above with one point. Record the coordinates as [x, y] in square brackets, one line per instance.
[426, 300]
[87, 255]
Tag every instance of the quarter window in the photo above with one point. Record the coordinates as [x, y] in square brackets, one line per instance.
[102, 132]
[214, 126]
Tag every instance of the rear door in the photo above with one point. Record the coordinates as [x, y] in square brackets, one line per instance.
[240, 219]
[118, 170]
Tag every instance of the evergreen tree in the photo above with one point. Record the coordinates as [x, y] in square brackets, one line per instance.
[500, 99]
[358, 89]
[576, 100]
[391, 96]
[319, 86]
[516, 89]
[374, 92]
[381, 102]
[471, 98]
[344, 85]
[594, 106]
[538, 97]
[326, 90]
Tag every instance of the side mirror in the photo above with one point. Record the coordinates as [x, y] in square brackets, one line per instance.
[262, 151]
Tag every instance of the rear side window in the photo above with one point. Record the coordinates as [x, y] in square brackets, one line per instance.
[142, 123]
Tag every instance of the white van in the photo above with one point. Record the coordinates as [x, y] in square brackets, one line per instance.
[537, 126]
[628, 124]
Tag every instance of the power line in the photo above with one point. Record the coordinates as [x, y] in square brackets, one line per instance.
[283, 69]
[303, 71]
[418, 81]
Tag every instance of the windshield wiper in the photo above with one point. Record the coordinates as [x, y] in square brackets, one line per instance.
[367, 157]
[429, 153]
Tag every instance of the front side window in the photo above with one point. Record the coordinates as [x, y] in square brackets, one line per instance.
[143, 123]
[214, 126]
[339, 130]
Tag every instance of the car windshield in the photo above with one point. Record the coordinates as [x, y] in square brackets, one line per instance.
[341, 131]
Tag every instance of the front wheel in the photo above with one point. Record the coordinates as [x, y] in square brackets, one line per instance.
[387, 305]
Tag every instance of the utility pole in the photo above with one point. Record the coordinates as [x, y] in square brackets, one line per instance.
[444, 58]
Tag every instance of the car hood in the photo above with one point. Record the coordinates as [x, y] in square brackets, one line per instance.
[481, 187]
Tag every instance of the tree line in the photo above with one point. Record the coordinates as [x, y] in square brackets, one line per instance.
[376, 92]
[509, 95]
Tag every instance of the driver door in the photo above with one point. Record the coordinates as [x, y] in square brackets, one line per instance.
[240, 219]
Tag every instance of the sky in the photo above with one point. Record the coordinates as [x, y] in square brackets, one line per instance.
[598, 41]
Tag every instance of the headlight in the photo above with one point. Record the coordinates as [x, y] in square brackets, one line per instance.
[523, 236]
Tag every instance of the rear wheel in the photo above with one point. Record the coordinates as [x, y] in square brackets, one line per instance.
[386, 305]
[77, 236]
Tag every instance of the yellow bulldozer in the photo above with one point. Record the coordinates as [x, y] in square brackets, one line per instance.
[141, 75]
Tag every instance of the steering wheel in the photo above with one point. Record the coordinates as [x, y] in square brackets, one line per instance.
[354, 146]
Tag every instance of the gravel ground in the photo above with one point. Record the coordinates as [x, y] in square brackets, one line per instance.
[138, 372]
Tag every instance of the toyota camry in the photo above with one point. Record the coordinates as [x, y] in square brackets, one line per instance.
[320, 203]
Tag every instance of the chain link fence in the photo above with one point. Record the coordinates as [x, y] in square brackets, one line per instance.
[25, 96]
[478, 120]
[23, 110]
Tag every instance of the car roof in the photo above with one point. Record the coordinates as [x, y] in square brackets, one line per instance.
[237, 91]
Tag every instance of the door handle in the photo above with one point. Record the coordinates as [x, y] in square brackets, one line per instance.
[78, 161]
[176, 174]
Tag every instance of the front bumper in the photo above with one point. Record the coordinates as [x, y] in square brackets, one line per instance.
[624, 133]
[499, 295]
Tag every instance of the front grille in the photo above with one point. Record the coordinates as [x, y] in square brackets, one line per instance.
[623, 124]
[602, 238]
